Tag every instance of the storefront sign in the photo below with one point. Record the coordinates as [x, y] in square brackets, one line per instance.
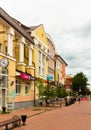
[25, 76]
[49, 77]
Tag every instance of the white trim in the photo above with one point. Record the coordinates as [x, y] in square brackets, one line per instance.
[21, 52]
[6, 56]
[21, 63]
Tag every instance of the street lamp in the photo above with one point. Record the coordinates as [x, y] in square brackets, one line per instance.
[79, 91]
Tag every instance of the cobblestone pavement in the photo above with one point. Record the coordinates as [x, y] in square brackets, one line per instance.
[73, 117]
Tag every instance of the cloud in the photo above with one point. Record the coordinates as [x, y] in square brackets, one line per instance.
[67, 21]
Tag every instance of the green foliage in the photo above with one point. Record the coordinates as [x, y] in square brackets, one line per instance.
[87, 91]
[71, 93]
[79, 82]
[41, 87]
[49, 92]
[60, 92]
[44, 90]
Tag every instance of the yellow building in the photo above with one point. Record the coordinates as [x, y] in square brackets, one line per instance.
[16, 47]
[40, 52]
[24, 56]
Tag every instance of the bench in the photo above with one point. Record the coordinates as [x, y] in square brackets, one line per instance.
[15, 121]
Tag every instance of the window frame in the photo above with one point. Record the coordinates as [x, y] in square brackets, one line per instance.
[18, 84]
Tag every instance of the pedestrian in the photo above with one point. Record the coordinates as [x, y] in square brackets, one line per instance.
[79, 99]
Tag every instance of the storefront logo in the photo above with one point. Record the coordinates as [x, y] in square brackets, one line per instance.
[25, 76]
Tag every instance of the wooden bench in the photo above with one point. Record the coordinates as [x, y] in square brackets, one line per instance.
[15, 121]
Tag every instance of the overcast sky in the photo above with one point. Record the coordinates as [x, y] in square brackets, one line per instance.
[67, 21]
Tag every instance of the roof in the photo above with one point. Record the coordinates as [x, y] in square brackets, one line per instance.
[15, 24]
[56, 55]
[31, 28]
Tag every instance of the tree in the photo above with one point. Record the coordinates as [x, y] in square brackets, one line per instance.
[87, 91]
[49, 93]
[79, 82]
[61, 92]
[41, 87]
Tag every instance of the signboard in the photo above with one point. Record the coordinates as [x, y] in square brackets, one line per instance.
[49, 77]
[26, 76]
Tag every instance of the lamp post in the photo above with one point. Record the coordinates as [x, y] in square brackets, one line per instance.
[79, 90]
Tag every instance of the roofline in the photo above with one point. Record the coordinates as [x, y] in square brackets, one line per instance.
[61, 58]
[17, 27]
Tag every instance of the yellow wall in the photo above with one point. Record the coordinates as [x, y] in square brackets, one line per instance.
[13, 65]
[35, 60]
[3, 37]
[41, 34]
[57, 75]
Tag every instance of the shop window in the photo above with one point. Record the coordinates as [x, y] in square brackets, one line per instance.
[3, 77]
[18, 87]
[27, 88]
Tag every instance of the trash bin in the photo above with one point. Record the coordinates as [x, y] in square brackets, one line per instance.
[3, 109]
[23, 117]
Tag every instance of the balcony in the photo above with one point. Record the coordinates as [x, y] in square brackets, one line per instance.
[30, 70]
[21, 67]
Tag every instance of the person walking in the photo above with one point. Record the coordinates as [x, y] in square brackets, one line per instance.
[79, 99]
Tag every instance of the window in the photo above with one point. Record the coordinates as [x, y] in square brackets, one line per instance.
[3, 77]
[39, 70]
[43, 60]
[18, 86]
[27, 88]
[43, 72]
[39, 46]
[39, 57]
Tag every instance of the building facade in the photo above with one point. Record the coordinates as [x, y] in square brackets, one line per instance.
[60, 74]
[51, 59]
[15, 79]
[26, 53]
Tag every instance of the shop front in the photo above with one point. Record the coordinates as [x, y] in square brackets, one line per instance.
[24, 90]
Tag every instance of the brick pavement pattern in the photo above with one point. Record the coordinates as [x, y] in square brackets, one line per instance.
[73, 117]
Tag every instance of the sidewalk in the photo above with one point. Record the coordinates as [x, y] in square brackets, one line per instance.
[32, 111]
[73, 117]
